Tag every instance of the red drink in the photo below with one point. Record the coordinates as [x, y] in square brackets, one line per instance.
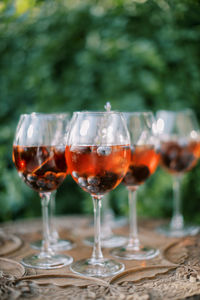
[144, 161]
[177, 158]
[98, 170]
[43, 168]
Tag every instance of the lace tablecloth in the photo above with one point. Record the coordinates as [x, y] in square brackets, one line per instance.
[174, 274]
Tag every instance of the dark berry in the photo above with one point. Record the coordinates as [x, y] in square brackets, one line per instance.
[108, 181]
[50, 175]
[93, 189]
[75, 174]
[93, 180]
[104, 150]
[31, 178]
[82, 181]
[41, 183]
[140, 173]
[60, 177]
[51, 185]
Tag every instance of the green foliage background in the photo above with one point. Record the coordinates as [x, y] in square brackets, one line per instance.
[58, 56]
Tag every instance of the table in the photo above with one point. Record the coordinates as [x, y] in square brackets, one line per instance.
[174, 274]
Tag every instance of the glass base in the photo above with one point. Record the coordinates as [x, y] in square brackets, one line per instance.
[167, 230]
[103, 268]
[129, 253]
[108, 242]
[60, 245]
[46, 262]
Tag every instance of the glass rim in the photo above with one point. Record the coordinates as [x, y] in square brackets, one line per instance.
[32, 114]
[137, 112]
[98, 112]
[187, 109]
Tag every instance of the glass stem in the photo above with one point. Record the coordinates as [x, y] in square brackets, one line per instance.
[177, 221]
[46, 249]
[107, 216]
[133, 241]
[53, 234]
[97, 255]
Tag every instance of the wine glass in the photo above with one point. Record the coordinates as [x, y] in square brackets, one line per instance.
[39, 156]
[144, 161]
[56, 242]
[98, 155]
[179, 150]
